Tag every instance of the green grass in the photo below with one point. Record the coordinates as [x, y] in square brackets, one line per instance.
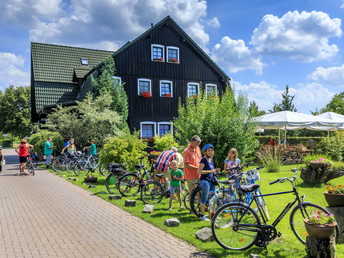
[285, 246]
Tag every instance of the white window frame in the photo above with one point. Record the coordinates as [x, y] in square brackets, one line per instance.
[165, 123]
[84, 61]
[138, 85]
[210, 84]
[165, 81]
[192, 83]
[171, 47]
[148, 123]
[118, 79]
[163, 52]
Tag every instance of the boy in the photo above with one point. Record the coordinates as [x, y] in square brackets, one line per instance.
[175, 176]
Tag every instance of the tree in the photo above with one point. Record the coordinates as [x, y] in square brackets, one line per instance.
[286, 104]
[15, 116]
[89, 119]
[226, 123]
[38, 140]
[105, 84]
[335, 105]
[254, 110]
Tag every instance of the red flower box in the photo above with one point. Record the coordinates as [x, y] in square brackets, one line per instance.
[146, 94]
[168, 95]
[173, 60]
[159, 59]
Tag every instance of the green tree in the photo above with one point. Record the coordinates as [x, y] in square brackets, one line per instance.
[286, 104]
[226, 123]
[105, 84]
[15, 116]
[165, 142]
[335, 105]
[38, 140]
[89, 119]
[254, 110]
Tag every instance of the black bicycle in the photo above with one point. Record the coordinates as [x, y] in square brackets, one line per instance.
[116, 171]
[237, 226]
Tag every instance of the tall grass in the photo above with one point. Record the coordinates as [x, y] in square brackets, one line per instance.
[270, 159]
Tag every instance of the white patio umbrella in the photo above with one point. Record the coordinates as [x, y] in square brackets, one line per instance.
[289, 119]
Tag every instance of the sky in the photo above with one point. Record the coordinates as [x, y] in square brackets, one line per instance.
[262, 45]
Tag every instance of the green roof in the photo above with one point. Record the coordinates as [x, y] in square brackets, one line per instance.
[55, 63]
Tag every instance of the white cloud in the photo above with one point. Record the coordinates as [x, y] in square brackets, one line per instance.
[12, 71]
[120, 21]
[235, 56]
[214, 23]
[331, 75]
[300, 36]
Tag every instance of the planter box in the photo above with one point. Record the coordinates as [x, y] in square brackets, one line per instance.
[334, 200]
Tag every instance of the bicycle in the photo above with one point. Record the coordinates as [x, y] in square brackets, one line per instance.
[237, 226]
[116, 171]
[30, 165]
[83, 165]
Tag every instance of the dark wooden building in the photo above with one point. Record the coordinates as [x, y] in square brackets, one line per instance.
[158, 68]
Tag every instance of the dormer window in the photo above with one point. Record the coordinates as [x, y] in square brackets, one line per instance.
[172, 54]
[157, 53]
[84, 61]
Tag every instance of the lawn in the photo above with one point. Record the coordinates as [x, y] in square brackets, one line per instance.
[285, 246]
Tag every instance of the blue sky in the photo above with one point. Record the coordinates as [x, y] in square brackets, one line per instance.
[263, 45]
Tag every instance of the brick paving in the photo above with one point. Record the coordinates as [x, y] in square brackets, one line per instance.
[47, 216]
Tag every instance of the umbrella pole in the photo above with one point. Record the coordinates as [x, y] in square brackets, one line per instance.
[285, 136]
[279, 136]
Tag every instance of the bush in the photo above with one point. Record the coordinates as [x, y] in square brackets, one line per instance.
[124, 149]
[38, 140]
[332, 146]
[270, 159]
[165, 142]
[6, 143]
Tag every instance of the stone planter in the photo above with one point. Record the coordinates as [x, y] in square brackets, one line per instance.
[320, 232]
[334, 200]
[90, 179]
[317, 165]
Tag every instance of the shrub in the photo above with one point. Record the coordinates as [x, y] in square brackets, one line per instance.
[124, 149]
[318, 159]
[5, 143]
[165, 142]
[270, 159]
[38, 139]
[332, 146]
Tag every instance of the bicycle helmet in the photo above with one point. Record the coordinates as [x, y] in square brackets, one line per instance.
[207, 146]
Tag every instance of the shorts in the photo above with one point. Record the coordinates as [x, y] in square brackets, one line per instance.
[22, 159]
[174, 189]
[192, 184]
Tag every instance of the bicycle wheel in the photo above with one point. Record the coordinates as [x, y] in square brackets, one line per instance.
[30, 168]
[111, 183]
[219, 200]
[297, 216]
[234, 226]
[56, 165]
[80, 167]
[70, 166]
[129, 185]
[152, 192]
[103, 169]
[195, 199]
[186, 200]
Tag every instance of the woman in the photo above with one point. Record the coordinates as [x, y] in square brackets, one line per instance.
[1, 158]
[23, 150]
[71, 149]
[206, 169]
[232, 160]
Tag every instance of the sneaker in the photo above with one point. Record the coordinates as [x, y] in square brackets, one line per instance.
[204, 218]
[170, 209]
[181, 207]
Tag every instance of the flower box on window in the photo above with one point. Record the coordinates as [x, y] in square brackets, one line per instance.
[146, 94]
[194, 96]
[158, 59]
[168, 95]
[173, 60]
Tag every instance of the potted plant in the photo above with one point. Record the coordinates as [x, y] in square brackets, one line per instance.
[334, 195]
[320, 162]
[320, 225]
[90, 179]
[146, 94]
[158, 59]
[173, 60]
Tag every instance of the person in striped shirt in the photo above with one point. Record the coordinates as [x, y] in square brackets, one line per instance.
[163, 164]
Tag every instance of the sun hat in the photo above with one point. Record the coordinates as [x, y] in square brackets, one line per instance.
[207, 146]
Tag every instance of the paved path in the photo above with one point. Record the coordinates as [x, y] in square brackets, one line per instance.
[47, 216]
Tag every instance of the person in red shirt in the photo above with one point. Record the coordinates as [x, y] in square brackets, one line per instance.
[23, 150]
[192, 156]
[272, 142]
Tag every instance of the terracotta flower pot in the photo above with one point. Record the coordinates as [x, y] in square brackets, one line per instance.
[321, 232]
[334, 200]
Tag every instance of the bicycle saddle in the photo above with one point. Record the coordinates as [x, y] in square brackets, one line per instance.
[139, 166]
[249, 188]
[159, 175]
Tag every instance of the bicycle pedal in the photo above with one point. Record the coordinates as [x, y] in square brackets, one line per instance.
[279, 234]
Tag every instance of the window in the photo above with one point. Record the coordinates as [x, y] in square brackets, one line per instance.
[164, 128]
[193, 89]
[158, 53]
[172, 55]
[144, 85]
[118, 79]
[166, 89]
[147, 130]
[211, 89]
[84, 61]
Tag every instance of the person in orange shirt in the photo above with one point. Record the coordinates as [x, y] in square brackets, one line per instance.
[192, 156]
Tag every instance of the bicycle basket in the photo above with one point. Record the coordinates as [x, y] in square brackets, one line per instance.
[252, 176]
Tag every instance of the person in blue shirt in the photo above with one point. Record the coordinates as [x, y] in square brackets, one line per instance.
[206, 169]
[48, 151]
[92, 148]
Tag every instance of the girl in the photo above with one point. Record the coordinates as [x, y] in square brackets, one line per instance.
[232, 161]
[23, 150]
[206, 169]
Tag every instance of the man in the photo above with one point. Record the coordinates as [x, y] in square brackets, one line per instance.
[163, 164]
[92, 148]
[48, 151]
[192, 156]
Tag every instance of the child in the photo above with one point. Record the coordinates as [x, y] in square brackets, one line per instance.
[176, 175]
[232, 160]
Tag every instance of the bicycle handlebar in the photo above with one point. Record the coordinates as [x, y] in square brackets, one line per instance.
[281, 180]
